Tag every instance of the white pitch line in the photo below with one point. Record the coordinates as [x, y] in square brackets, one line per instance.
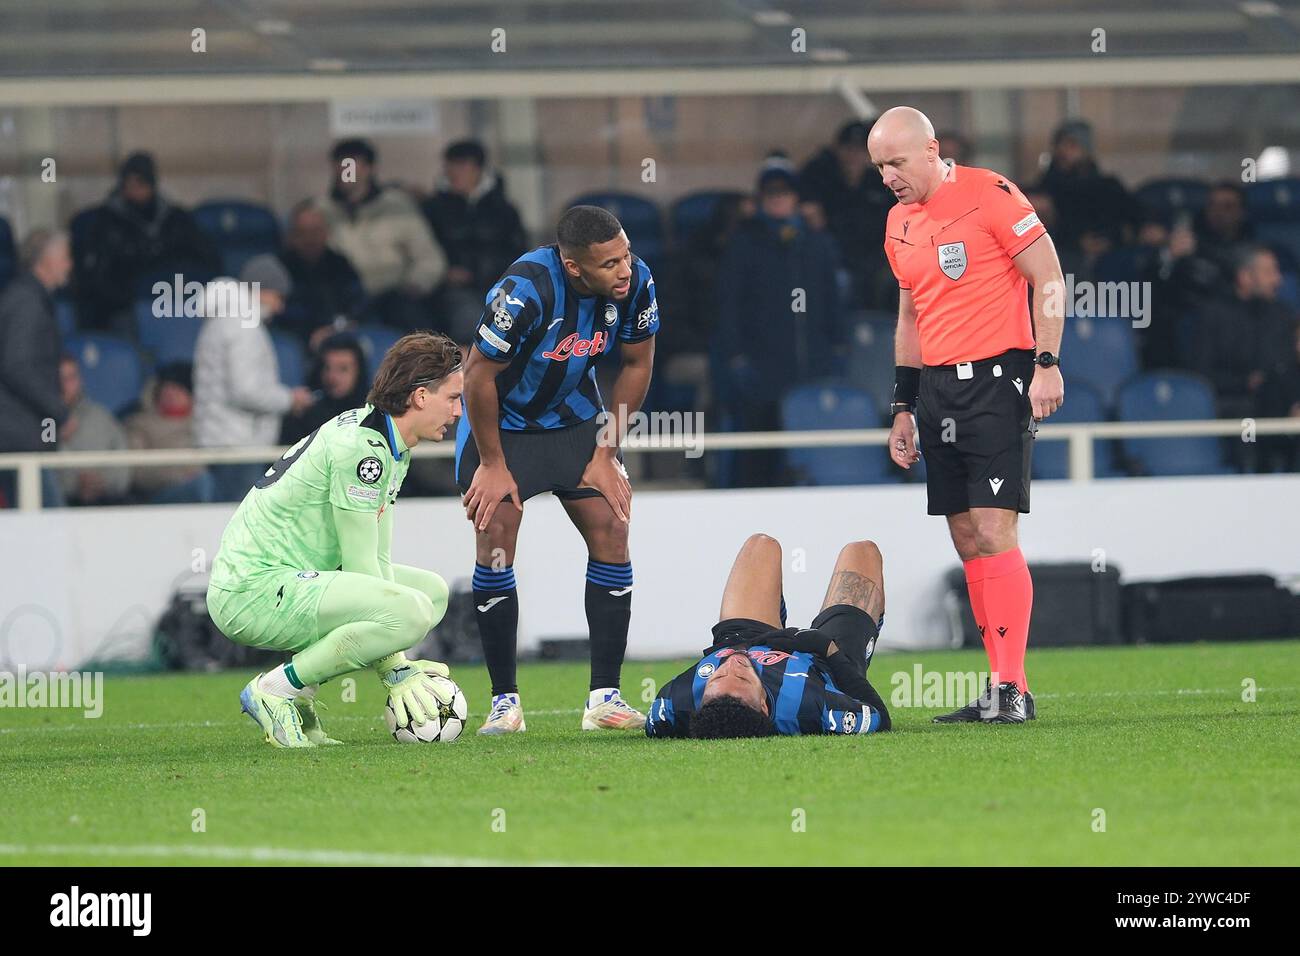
[262, 854]
[344, 718]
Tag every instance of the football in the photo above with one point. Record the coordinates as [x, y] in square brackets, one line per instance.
[445, 727]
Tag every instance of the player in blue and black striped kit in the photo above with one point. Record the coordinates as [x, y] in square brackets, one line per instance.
[534, 423]
[761, 678]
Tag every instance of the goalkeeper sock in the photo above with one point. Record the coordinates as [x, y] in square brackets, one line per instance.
[282, 682]
[496, 597]
[1009, 600]
[975, 588]
[609, 610]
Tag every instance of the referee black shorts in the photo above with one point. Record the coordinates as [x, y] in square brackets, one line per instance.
[541, 461]
[976, 429]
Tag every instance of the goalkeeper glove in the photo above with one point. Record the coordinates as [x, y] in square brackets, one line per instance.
[414, 697]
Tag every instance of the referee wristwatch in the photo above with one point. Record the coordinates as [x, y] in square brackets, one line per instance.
[1047, 359]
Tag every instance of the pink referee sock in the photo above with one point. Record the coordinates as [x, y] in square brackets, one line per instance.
[975, 588]
[1008, 601]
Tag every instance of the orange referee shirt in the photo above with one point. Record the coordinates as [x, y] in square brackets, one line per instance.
[954, 252]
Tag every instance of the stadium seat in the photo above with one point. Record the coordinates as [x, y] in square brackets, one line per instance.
[1170, 396]
[1290, 289]
[290, 358]
[239, 230]
[1083, 404]
[870, 362]
[641, 222]
[1275, 200]
[166, 338]
[1101, 352]
[65, 314]
[111, 373]
[8, 253]
[1172, 196]
[694, 210]
[820, 407]
[375, 340]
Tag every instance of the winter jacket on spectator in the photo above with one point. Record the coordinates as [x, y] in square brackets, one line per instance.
[30, 348]
[387, 241]
[238, 396]
[96, 430]
[481, 233]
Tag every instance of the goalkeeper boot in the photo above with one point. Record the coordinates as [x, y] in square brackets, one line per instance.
[1010, 706]
[276, 715]
[311, 725]
[606, 710]
[972, 712]
[506, 716]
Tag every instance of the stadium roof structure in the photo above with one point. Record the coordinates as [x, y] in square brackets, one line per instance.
[595, 47]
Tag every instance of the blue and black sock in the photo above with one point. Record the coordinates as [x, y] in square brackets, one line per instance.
[609, 609]
[496, 603]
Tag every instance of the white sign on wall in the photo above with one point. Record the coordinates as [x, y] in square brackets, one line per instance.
[381, 117]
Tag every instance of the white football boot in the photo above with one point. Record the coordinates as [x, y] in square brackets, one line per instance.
[607, 710]
[506, 716]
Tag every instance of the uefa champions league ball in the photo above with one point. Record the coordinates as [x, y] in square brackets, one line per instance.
[444, 727]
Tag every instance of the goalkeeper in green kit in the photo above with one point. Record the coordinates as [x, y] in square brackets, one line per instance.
[304, 564]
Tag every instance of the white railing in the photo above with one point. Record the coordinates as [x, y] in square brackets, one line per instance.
[1080, 436]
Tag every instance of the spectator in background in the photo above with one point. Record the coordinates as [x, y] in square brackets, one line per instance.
[134, 238]
[90, 427]
[954, 146]
[1221, 226]
[32, 411]
[1072, 261]
[778, 303]
[1279, 397]
[327, 293]
[705, 248]
[1181, 282]
[479, 230]
[1242, 340]
[381, 232]
[844, 191]
[339, 381]
[238, 396]
[1095, 210]
[168, 422]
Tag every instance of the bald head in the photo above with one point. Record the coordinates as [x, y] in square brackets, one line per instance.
[903, 147]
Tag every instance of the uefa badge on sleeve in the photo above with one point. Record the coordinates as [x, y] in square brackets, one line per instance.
[370, 470]
[503, 320]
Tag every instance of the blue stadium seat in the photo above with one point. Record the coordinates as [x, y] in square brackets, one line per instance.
[1101, 352]
[166, 338]
[1083, 404]
[1290, 290]
[239, 230]
[111, 373]
[870, 362]
[1275, 200]
[65, 314]
[8, 253]
[1172, 196]
[640, 219]
[694, 210]
[375, 340]
[1283, 238]
[291, 358]
[820, 407]
[1170, 396]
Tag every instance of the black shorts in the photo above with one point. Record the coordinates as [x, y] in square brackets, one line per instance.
[848, 626]
[977, 433]
[540, 461]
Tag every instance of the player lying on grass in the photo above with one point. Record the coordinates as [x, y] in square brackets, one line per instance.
[761, 677]
[304, 564]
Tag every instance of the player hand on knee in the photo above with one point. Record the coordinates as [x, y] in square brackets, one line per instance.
[489, 487]
[902, 441]
[606, 474]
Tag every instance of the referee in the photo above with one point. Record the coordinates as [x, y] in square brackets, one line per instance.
[974, 373]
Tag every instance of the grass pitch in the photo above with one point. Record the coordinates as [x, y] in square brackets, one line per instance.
[1157, 743]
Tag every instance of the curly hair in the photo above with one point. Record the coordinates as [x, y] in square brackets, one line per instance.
[728, 716]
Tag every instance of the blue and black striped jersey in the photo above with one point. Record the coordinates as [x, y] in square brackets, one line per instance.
[801, 694]
[551, 339]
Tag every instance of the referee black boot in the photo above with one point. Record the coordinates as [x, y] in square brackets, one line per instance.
[973, 712]
[1031, 711]
[1010, 707]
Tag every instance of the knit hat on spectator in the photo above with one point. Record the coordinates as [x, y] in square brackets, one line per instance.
[267, 270]
[777, 171]
[139, 165]
[1078, 130]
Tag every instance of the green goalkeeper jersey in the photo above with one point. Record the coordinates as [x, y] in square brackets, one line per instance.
[355, 462]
